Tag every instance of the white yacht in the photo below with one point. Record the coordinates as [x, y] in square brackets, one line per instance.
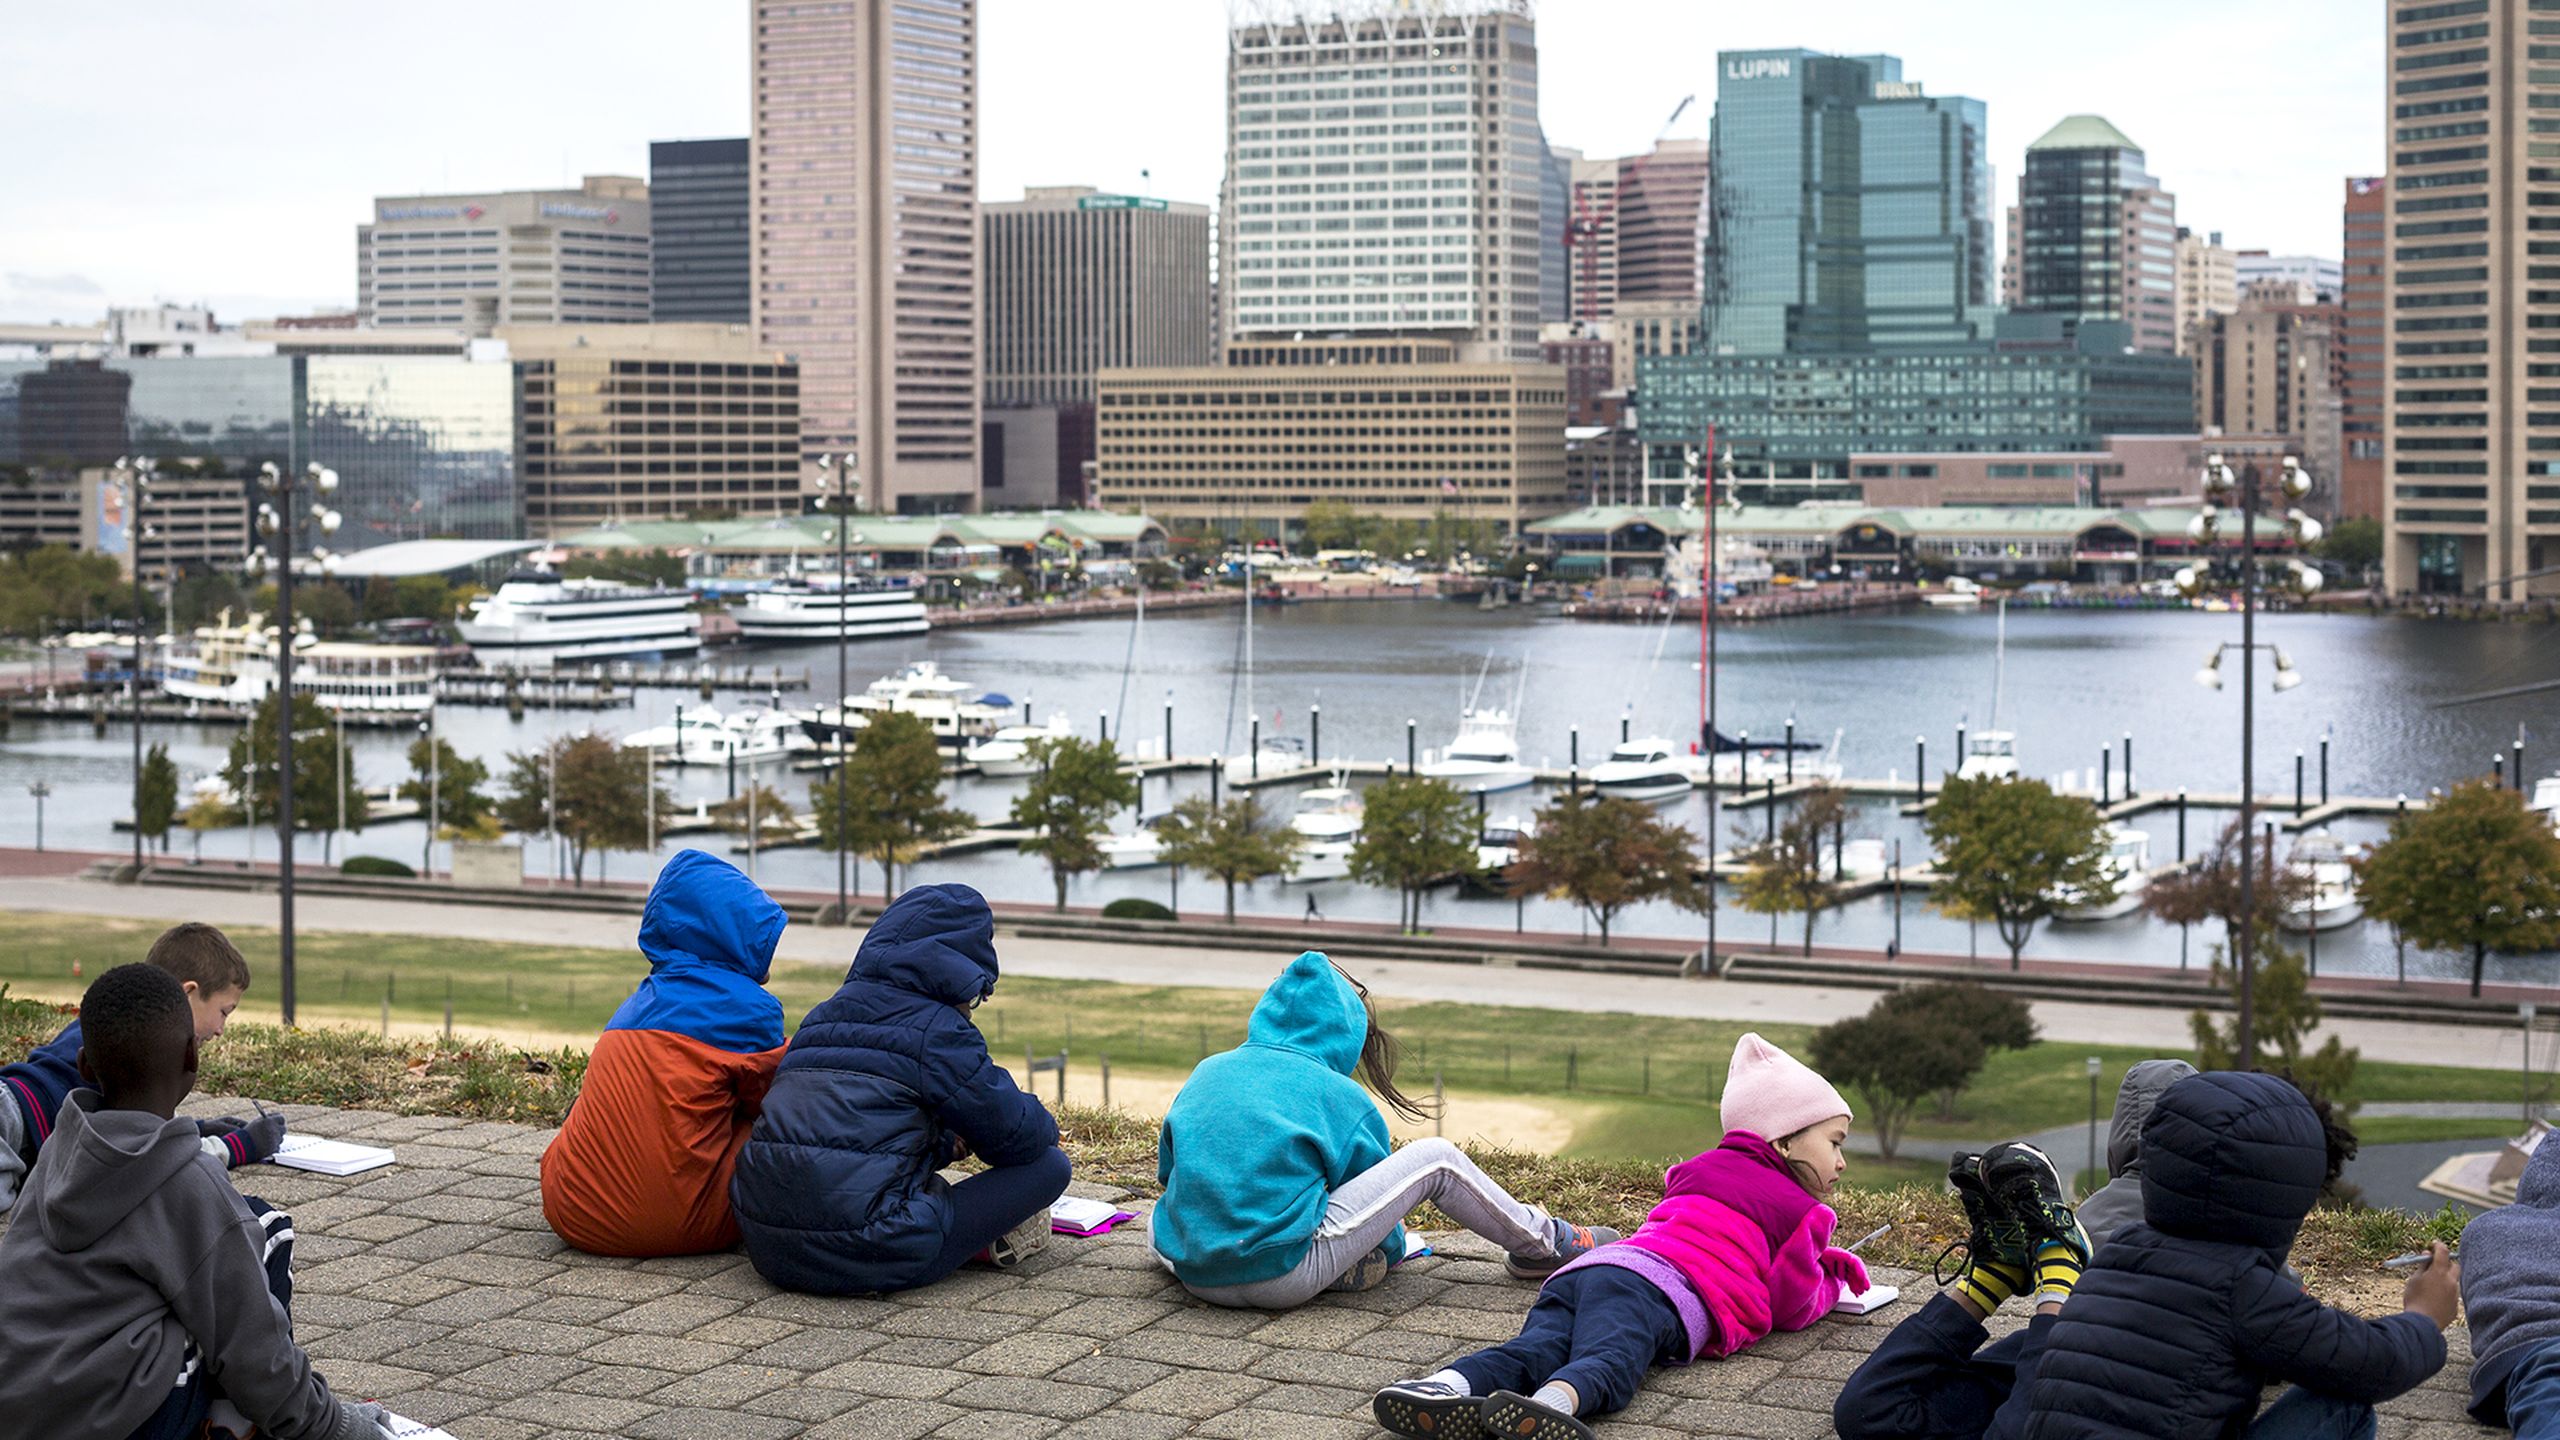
[1008, 751]
[954, 709]
[1863, 859]
[538, 618]
[1498, 841]
[702, 735]
[1278, 755]
[1646, 769]
[1320, 860]
[1989, 755]
[1328, 812]
[1136, 850]
[802, 610]
[227, 664]
[2128, 863]
[1757, 765]
[2333, 900]
[1485, 758]
[1957, 593]
[2546, 799]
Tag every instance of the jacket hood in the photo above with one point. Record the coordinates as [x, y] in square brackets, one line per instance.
[2143, 1086]
[104, 1164]
[2539, 1185]
[2233, 1158]
[704, 909]
[1315, 1011]
[938, 941]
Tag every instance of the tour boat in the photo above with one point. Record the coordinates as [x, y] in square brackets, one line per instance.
[2128, 863]
[2333, 900]
[1328, 812]
[802, 610]
[537, 617]
[1646, 769]
[227, 664]
[1485, 758]
[1008, 751]
[702, 735]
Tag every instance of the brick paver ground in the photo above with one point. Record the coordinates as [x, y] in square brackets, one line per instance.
[434, 1287]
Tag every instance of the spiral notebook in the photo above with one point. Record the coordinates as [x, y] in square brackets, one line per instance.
[404, 1428]
[330, 1157]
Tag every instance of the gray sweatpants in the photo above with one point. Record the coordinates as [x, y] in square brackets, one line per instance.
[1365, 1209]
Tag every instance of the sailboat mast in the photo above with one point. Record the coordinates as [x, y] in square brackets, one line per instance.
[1999, 662]
[1249, 710]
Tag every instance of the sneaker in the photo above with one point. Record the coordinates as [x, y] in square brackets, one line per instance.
[1571, 1242]
[1431, 1408]
[1019, 1243]
[1507, 1415]
[2026, 1200]
[1369, 1274]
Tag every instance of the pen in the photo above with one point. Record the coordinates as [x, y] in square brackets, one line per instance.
[2403, 1262]
[1870, 1235]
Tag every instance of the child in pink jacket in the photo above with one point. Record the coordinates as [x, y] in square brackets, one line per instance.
[1739, 1246]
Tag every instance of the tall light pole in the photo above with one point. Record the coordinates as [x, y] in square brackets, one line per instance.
[2249, 490]
[435, 778]
[836, 492]
[275, 518]
[134, 476]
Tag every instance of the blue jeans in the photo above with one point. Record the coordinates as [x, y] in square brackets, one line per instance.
[1597, 1330]
[182, 1415]
[2533, 1394]
[2300, 1414]
[992, 1202]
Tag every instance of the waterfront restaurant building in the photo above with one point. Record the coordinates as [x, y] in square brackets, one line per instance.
[1398, 428]
[929, 545]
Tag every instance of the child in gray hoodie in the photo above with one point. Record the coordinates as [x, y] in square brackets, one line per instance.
[2511, 1291]
[138, 1291]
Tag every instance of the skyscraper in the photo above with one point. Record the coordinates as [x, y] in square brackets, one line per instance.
[2208, 284]
[700, 263]
[2363, 344]
[863, 212]
[1662, 222]
[1591, 238]
[1850, 211]
[2096, 237]
[1384, 173]
[518, 257]
[2472, 454]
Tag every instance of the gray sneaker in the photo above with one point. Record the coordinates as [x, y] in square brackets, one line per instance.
[1018, 1244]
[1571, 1243]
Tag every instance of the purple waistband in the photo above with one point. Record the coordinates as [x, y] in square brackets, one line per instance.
[1667, 1278]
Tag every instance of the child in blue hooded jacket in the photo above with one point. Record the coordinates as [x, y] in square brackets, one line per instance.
[886, 1082]
[1279, 1183]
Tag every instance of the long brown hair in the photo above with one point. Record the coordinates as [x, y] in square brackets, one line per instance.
[1378, 1055]
[1803, 1171]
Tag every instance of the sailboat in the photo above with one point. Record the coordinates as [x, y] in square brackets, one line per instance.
[1992, 754]
[1272, 754]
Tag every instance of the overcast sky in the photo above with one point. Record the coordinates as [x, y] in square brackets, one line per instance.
[167, 149]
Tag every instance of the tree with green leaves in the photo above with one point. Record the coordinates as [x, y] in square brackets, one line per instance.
[2285, 1012]
[1226, 841]
[1895, 1059]
[1999, 1021]
[889, 793]
[589, 790]
[1069, 802]
[1331, 525]
[2474, 871]
[2014, 852]
[1413, 830]
[2355, 542]
[454, 784]
[207, 811]
[318, 798]
[2208, 891]
[1786, 873]
[754, 813]
[155, 796]
[660, 568]
[325, 603]
[1605, 853]
[53, 587]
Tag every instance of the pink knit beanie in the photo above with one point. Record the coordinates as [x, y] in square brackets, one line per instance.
[1771, 1094]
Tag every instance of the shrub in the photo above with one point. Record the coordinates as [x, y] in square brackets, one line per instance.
[1133, 907]
[376, 865]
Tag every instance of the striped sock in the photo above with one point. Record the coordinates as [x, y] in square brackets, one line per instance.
[2057, 1271]
[1989, 1282]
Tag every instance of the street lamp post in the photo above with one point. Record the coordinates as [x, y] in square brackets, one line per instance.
[2249, 490]
[40, 789]
[836, 489]
[134, 475]
[435, 779]
[275, 519]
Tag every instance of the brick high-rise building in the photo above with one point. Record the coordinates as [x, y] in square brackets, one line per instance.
[2363, 348]
[863, 213]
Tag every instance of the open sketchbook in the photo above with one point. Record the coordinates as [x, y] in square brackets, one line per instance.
[404, 1428]
[330, 1157]
[1874, 1297]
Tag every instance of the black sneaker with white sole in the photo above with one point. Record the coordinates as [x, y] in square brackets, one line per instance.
[1432, 1409]
[1508, 1415]
[2027, 1199]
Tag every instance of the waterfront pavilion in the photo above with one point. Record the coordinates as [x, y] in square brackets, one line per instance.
[935, 546]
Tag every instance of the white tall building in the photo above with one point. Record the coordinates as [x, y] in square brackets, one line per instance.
[1384, 167]
[520, 257]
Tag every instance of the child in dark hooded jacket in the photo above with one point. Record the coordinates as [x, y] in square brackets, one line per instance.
[885, 1083]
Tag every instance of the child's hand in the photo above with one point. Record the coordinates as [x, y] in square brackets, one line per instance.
[2436, 1291]
[262, 1137]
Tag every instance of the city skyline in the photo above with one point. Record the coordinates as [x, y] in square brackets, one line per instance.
[249, 202]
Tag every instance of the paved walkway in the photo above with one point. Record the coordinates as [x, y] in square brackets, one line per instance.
[434, 1287]
[2162, 1029]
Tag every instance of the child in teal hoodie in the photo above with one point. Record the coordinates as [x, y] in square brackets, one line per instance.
[1279, 1183]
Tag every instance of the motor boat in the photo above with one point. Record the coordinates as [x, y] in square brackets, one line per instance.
[702, 735]
[536, 616]
[1646, 769]
[1009, 752]
[802, 610]
[1862, 860]
[954, 709]
[1485, 758]
[1328, 812]
[2546, 799]
[1750, 767]
[1989, 755]
[1277, 755]
[2333, 900]
[1959, 593]
[2128, 863]
[1498, 842]
[1137, 850]
[1320, 860]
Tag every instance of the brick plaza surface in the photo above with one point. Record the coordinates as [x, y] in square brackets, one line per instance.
[434, 1287]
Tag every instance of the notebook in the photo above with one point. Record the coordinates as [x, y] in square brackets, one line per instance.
[330, 1157]
[1069, 1215]
[1874, 1297]
[404, 1428]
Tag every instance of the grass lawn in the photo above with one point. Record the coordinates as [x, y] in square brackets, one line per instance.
[1641, 1086]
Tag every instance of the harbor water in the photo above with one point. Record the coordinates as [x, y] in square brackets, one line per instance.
[2074, 684]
